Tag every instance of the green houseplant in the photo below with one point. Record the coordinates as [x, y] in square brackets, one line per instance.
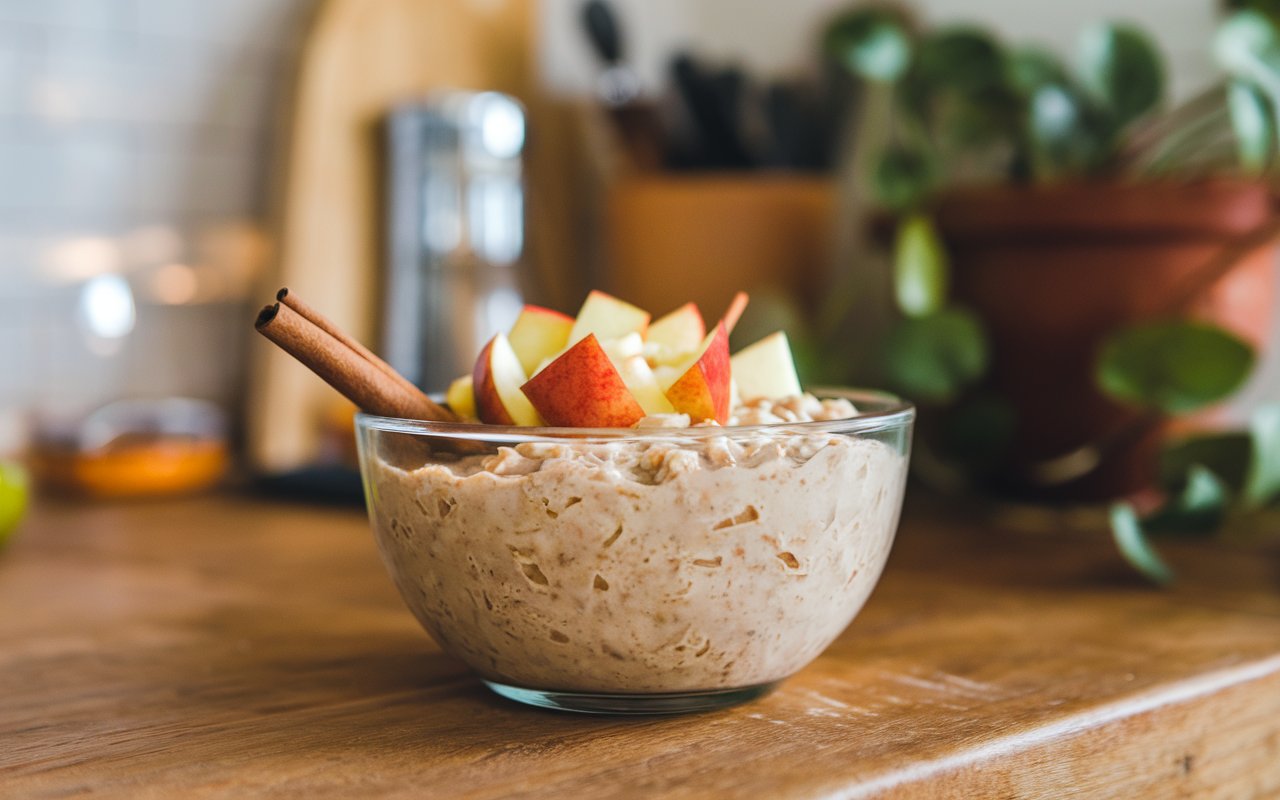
[1069, 258]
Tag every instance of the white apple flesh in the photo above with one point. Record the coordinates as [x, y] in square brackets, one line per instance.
[538, 334]
[679, 332]
[461, 398]
[608, 318]
[766, 369]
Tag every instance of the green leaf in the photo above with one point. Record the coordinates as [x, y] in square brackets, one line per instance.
[1131, 540]
[934, 358]
[903, 177]
[1227, 455]
[1200, 507]
[1175, 366]
[1027, 69]
[921, 274]
[958, 81]
[1055, 116]
[873, 44]
[1247, 46]
[1263, 483]
[1253, 122]
[1055, 127]
[961, 58]
[1270, 8]
[1121, 66]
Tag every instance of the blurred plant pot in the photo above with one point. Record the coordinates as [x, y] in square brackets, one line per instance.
[1053, 271]
[669, 239]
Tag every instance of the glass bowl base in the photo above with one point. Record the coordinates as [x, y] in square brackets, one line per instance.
[598, 703]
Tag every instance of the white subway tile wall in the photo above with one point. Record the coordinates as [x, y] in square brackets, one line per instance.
[120, 116]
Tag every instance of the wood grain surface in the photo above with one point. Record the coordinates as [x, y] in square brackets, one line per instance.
[229, 647]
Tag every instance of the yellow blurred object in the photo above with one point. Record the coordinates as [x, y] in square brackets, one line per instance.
[461, 398]
[13, 499]
[134, 467]
[339, 417]
[337, 431]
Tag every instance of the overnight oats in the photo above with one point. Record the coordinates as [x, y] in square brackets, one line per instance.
[624, 524]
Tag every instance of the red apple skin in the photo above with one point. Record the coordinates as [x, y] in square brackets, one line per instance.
[549, 312]
[582, 389]
[702, 391]
[734, 313]
[489, 407]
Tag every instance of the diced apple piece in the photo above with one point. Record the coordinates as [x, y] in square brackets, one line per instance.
[702, 391]
[734, 313]
[766, 369]
[681, 331]
[496, 382]
[461, 398]
[667, 374]
[627, 357]
[620, 350]
[639, 378]
[608, 318]
[538, 334]
[583, 389]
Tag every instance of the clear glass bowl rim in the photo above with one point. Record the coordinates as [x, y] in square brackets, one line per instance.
[877, 411]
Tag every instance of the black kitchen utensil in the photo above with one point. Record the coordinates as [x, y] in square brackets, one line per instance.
[618, 84]
[712, 102]
[797, 136]
[636, 121]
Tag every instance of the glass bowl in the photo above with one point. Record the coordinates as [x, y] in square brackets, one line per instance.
[639, 570]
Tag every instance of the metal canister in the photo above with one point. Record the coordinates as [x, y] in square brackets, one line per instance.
[455, 231]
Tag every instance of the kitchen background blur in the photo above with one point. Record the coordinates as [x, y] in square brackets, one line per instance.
[155, 155]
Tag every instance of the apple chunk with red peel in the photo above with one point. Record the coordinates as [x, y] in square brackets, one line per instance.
[538, 334]
[766, 369]
[608, 318]
[681, 331]
[702, 391]
[734, 312]
[495, 384]
[582, 389]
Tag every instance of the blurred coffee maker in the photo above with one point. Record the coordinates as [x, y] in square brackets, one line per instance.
[455, 231]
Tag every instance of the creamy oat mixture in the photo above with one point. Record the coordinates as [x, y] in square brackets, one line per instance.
[663, 566]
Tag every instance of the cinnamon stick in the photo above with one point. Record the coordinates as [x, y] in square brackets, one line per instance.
[322, 322]
[345, 364]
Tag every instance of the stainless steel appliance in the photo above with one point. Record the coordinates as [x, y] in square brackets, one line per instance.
[455, 231]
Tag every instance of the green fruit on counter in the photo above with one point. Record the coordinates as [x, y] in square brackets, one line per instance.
[13, 499]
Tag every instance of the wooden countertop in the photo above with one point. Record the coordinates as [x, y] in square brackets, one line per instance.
[227, 647]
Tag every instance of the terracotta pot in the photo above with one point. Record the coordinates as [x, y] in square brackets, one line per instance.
[1054, 271]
